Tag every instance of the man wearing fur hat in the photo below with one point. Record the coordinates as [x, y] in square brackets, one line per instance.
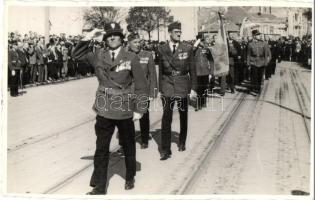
[177, 80]
[115, 104]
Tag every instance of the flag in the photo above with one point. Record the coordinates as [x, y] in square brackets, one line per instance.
[246, 28]
[220, 52]
[50, 24]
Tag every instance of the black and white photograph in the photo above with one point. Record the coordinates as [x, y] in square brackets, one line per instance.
[124, 99]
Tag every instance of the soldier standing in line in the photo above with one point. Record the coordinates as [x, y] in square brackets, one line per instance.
[203, 57]
[177, 78]
[275, 52]
[14, 65]
[258, 55]
[116, 103]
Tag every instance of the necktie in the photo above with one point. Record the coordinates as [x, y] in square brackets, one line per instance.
[113, 56]
[174, 47]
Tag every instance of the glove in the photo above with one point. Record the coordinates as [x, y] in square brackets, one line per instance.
[13, 73]
[193, 94]
[137, 116]
[96, 34]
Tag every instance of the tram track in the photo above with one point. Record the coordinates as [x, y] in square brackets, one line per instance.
[67, 180]
[299, 92]
[63, 183]
[191, 181]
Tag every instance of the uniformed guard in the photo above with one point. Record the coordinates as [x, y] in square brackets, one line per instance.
[115, 103]
[257, 58]
[14, 68]
[203, 59]
[177, 78]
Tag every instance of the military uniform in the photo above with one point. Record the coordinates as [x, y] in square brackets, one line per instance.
[257, 58]
[177, 76]
[14, 66]
[148, 66]
[202, 58]
[275, 53]
[114, 105]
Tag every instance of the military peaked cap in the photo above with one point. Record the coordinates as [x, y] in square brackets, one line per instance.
[175, 25]
[112, 28]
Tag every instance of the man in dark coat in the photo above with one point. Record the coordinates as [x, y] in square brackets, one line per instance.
[14, 65]
[258, 55]
[116, 103]
[177, 78]
[202, 57]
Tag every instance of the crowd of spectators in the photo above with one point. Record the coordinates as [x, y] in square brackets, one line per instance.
[44, 63]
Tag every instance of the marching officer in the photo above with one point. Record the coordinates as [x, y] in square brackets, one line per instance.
[14, 65]
[148, 66]
[258, 55]
[177, 78]
[117, 104]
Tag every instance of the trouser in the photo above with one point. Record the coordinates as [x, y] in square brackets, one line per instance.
[27, 75]
[168, 105]
[231, 77]
[203, 82]
[104, 129]
[33, 72]
[45, 72]
[272, 66]
[257, 77]
[41, 71]
[65, 69]
[14, 82]
[268, 71]
[22, 71]
[222, 81]
[145, 126]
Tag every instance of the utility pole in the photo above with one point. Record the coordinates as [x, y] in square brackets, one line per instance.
[47, 24]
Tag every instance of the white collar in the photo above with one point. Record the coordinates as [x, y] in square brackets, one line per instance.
[116, 51]
[172, 43]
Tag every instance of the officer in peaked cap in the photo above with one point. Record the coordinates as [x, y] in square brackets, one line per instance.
[258, 55]
[148, 66]
[177, 79]
[116, 103]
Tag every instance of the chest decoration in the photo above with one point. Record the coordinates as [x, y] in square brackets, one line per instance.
[182, 56]
[144, 60]
[124, 65]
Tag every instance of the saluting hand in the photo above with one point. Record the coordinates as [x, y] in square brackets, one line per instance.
[96, 34]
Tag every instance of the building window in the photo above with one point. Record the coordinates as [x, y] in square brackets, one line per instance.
[296, 16]
[271, 29]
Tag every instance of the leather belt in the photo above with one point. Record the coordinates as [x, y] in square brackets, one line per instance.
[176, 73]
